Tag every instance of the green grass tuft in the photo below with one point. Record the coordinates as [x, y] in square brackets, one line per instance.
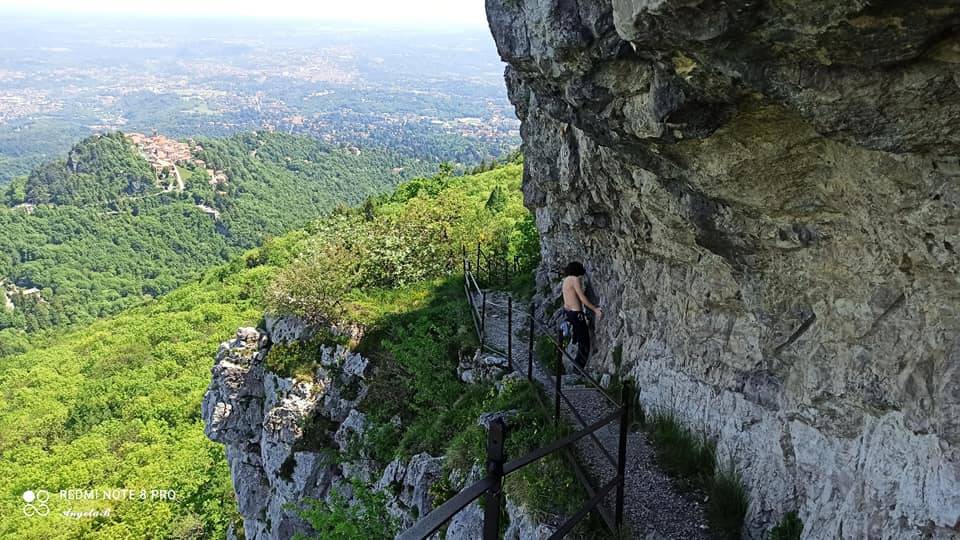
[789, 528]
[727, 505]
[689, 457]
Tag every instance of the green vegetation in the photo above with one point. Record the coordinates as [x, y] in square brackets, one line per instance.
[727, 505]
[789, 528]
[103, 238]
[98, 170]
[691, 459]
[547, 487]
[367, 518]
[409, 237]
[387, 266]
[546, 351]
[117, 405]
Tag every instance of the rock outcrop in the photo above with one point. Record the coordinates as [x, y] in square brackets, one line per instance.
[281, 434]
[288, 440]
[766, 197]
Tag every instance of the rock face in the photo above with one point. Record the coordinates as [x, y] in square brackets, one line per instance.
[766, 197]
[288, 440]
[280, 433]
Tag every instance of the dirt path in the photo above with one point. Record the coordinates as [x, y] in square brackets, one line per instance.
[654, 506]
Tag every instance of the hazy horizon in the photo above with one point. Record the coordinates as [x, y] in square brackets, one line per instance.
[433, 14]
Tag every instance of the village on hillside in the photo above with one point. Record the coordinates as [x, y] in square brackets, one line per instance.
[164, 154]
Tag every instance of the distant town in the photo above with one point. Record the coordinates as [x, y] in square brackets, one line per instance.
[62, 84]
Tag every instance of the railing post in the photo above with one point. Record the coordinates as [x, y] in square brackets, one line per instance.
[559, 370]
[495, 459]
[510, 331]
[479, 268]
[530, 346]
[625, 400]
[463, 256]
[483, 318]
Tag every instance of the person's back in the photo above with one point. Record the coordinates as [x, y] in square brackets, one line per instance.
[571, 301]
[574, 301]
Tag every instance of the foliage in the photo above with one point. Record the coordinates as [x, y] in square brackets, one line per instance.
[497, 201]
[789, 528]
[414, 236]
[98, 170]
[288, 359]
[547, 487]
[692, 460]
[366, 518]
[680, 451]
[109, 239]
[415, 350]
[117, 405]
[727, 505]
[546, 351]
[313, 287]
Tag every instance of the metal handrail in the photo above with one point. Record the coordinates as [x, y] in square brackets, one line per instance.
[481, 254]
[593, 382]
[432, 522]
[497, 469]
[561, 443]
[593, 503]
[583, 422]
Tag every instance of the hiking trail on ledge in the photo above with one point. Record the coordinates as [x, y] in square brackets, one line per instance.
[655, 507]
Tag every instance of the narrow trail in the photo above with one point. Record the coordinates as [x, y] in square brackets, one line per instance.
[655, 507]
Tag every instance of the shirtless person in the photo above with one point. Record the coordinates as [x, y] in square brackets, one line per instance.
[573, 302]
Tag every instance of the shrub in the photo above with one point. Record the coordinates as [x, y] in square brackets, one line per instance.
[300, 359]
[337, 519]
[313, 287]
[546, 487]
[546, 352]
[497, 201]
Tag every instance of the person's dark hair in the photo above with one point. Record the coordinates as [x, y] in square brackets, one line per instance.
[574, 269]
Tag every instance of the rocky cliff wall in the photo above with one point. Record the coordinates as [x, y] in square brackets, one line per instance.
[766, 196]
[292, 440]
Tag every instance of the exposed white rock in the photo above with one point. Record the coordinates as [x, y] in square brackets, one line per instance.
[523, 526]
[482, 367]
[288, 328]
[467, 524]
[766, 204]
[259, 417]
[486, 419]
[422, 471]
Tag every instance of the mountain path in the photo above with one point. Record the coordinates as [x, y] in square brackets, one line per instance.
[655, 507]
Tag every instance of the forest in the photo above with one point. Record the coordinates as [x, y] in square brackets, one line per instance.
[91, 234]
[117, 404]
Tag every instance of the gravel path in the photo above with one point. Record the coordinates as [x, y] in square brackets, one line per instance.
[654, 506]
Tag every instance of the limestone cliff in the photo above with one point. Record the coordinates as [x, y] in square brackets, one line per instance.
[766, 197]
[292, 440]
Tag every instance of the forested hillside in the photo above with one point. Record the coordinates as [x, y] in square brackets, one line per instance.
[117, 404]
[100, 230]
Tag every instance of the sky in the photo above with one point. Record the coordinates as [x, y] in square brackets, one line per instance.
[454, 13]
